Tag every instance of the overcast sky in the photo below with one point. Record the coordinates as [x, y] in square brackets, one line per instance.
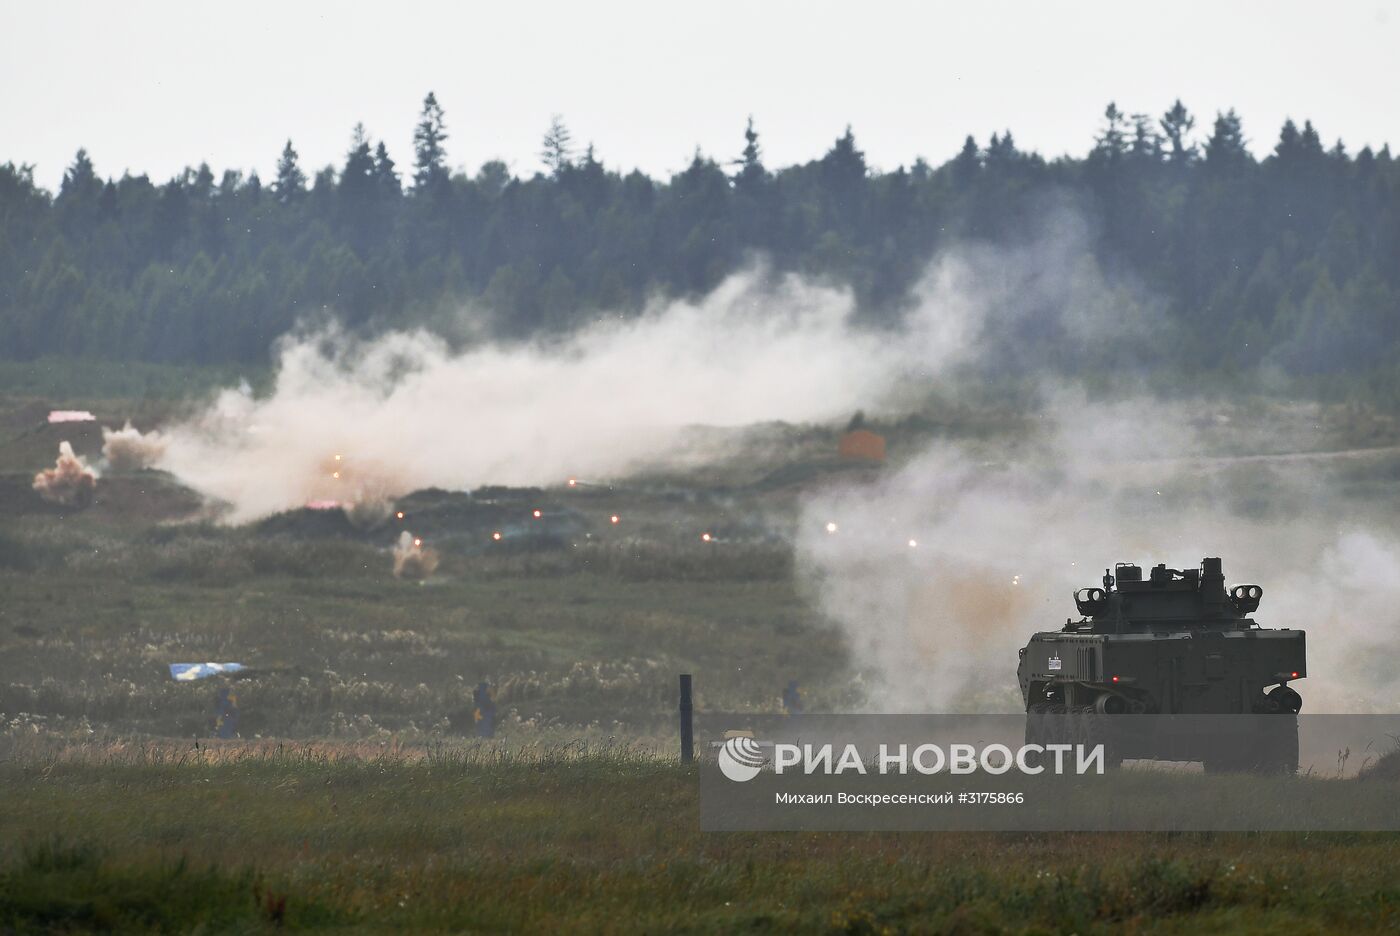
[154, 86]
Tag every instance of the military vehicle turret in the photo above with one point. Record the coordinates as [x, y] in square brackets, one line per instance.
[1176, 643]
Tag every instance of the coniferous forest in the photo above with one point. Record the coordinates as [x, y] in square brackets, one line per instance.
[1288, 261]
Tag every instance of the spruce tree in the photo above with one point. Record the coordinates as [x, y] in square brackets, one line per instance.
[556, 150]
[291, 181]
[430, 158]
[1176, 124]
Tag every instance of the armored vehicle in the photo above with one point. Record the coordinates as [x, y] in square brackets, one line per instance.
[1178, 644]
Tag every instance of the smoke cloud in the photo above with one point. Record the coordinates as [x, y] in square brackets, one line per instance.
[353, 420]
[130, 449]
[69, 482]
[937, 574]
[412, 560]
[405, 411]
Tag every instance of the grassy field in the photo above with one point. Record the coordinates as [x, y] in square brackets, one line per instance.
[586, 638]
[596, 840]
[111, 818]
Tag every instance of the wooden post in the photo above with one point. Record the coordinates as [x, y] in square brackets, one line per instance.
[687, 722]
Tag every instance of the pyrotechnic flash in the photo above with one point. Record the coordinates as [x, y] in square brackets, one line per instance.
[129, 449]
[496, 536]
[411, 560]
[830, 527]
[573, 482]
[537, 514]
[70, 481]
[399, 515]
[614, 519]
[913, 543]
[705, 537]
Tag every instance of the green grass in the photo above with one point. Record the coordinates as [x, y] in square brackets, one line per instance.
[585, 641]
[393, 822]
[597, 840]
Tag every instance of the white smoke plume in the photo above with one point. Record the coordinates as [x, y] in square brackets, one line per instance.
[404, 412]
[413, 560]
[939, 573]
[130, 449]
[69, 482]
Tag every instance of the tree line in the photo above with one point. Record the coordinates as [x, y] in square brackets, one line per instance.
[1286, 261]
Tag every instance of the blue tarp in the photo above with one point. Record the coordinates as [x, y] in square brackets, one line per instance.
[188, 672]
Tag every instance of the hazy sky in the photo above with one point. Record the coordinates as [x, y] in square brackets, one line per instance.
[154, 86]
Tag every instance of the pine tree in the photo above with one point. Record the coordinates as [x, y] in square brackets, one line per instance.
[357, 183]
[1225, 149]
[1287, 149]
[1112, 142]
[751, 173]
[430, 158]
[1001, 151]
[556, 151]
[843, 167]
[80, 181]
[385, 175]
[1176, 124]
[968, 163]
[1146, 144]
[291, 181]
[1309, 142]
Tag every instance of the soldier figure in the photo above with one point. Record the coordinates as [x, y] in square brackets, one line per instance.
[792, 699]
[484, 710]
[225, 720]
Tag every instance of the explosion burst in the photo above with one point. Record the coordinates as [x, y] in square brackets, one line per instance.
[69, 482]
[412, 560]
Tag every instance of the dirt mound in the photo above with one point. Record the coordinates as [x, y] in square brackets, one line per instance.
[314, 523]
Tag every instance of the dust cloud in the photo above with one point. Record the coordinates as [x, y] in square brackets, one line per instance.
[70, 482]
[349, 420]
[939, 572]
[130, 449]
[413, 560]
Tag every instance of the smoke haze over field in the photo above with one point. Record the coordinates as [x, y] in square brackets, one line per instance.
[937, 573]
[404, 411]
[1000, 548]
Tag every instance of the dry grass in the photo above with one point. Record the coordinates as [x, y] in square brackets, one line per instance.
[595, 839]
